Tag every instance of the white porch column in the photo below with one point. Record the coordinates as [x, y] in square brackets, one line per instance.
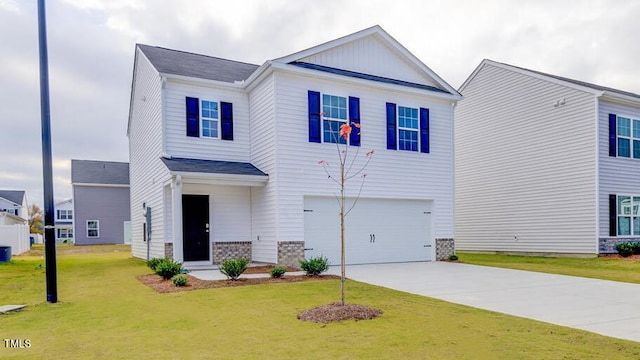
[176, 195]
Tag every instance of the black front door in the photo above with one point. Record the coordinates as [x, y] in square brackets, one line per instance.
[195, 227]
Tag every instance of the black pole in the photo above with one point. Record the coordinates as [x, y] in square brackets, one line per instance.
[49, 230]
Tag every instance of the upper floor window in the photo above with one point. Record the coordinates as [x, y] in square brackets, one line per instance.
[210, 119]
[407, 128]
[65, 214]
[624, 136]
[10, 211]
[628, 215]
[334, 109]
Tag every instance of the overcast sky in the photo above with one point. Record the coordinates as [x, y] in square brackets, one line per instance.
[91, 49]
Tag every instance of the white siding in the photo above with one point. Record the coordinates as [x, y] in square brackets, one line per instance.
[146, 171]
[391, 174]
[525, 170]
[263, 145]
[616, 175]
[371, 56]
[180, 145]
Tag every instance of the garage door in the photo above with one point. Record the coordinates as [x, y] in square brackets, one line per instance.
[377, 230]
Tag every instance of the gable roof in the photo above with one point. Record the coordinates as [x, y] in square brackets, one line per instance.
[567, 81]
[99, 172]
[211, 167]
[15, 196]
[174, 62]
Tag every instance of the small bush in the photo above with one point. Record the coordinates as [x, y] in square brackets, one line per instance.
[153, 263]
[453, 257]
[168, 268]
[278, 271]
[625, 249]
[314, 266]
[636, 248]
[180, 280]
[234, 268]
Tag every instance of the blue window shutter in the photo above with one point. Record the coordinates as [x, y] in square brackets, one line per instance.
[354, 118]
[613, 216]
[193, 117]
[424, 130]
[612, 135]
[314, 117]
[391, 127]
[226, 121]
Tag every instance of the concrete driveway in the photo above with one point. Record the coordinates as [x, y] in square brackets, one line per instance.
[605, 307]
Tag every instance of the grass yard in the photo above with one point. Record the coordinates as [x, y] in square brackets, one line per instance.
[104, 312]
[616, 269]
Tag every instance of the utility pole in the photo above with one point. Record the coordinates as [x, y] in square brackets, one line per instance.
[49, 230]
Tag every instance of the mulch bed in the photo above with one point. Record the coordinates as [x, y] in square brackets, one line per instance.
[336, 312]
[618, 256]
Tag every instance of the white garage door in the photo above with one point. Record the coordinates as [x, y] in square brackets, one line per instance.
[377, 230]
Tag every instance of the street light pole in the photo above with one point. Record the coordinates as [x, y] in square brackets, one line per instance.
[49, 229]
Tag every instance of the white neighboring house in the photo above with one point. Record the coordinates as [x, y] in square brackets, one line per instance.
[14, 221]
[545, 164]
[224, 155]
[64, 222]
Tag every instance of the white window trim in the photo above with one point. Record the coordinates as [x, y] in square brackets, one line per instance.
[630, 137]
[97, 229]
[398, 128]
[329, 118]
[618, 215]
[217, 120]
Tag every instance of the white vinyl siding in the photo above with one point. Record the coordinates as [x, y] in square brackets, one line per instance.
[146, 171]
[617, 175]
[525, 169]
[391, 174]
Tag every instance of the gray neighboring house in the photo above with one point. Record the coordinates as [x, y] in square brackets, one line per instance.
[100, 201]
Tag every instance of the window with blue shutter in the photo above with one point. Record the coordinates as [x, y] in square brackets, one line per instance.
[314, 116]
[354, 118]
[424, 130]
[193, 116]
[226, 121]
[391, 127]
[612, 135]
[613, 216]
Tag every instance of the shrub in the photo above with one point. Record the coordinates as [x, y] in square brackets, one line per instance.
[278, 271]
[314, 266]
[636, 248]
[168, 268]
[234, 268]
[625, 249]
[153, 263]
[453, 257]
[180, 280]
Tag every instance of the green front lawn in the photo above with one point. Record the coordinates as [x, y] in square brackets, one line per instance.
[616, 269]
[104, 312]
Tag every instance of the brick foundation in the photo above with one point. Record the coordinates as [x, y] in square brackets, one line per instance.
[444, 248]
[168, 251]
[290, 253]
[607, 245]
[231, 250]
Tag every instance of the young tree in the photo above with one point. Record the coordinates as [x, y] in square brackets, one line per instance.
[35, 219]
[345, 172]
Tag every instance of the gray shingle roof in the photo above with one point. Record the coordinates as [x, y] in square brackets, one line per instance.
[194, 65]
[99, 172]
[211, 167]
[578, 82]
[15, 196]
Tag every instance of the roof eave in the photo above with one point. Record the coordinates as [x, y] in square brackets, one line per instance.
[617, 97]
[221, 179]
[238, 85]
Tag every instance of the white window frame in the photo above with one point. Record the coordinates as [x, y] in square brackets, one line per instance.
[68, 214]
[65, 233]
[633, 213]
[404, 128]
[210, 119]
[327, 117]
[630, 138]
[97, 229]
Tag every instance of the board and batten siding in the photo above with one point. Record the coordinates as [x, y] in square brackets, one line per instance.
[617, 175]
[525, 169]
[263, 144]
[179, 145]
[391, 174]
[146, 170]
[371, 56]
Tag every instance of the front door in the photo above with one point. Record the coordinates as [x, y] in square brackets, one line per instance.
[195, 227]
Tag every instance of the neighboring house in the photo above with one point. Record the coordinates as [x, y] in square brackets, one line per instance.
[545, 164]
[64, 222]
[100, 201]
[14, 221]
[14, 202]
[224, 155]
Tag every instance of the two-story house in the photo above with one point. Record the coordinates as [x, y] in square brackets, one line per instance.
[14, 202]
[64, 222]
[224, 155]
[545, 164]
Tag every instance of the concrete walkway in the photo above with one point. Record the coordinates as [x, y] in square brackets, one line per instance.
[604, 307]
